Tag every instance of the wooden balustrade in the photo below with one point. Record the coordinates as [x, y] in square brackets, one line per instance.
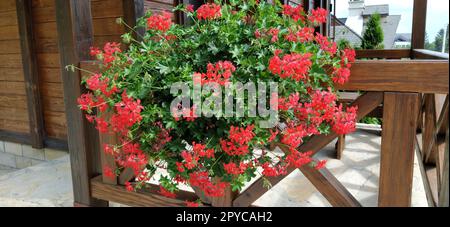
[395, 83]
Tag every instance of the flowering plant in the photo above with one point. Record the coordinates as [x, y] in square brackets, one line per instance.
[225, 44]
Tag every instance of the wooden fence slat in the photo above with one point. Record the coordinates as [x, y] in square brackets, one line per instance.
[397, 148]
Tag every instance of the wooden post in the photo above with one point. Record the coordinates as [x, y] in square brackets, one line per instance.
[30, 71]
[397, 148]
[132, 11]
[443, 193]
[419, 24]
[74, 25]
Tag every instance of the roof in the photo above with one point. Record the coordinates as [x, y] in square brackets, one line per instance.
[372, 9]
[403, 37]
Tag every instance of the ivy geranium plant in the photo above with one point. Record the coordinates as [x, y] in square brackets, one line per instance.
[239, 41]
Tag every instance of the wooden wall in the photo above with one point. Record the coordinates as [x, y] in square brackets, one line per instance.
[13, 101]
[46, 42]
[159, 5]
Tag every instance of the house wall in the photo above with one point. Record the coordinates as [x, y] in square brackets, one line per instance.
[13, 104]
[14, 120]
[49, 68]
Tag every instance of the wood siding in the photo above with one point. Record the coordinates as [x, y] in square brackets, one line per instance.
[46, 41]
[13, 100]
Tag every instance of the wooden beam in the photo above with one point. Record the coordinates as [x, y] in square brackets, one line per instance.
[30, 71]
[428, 54]
[330, 187]
[384, 54]
[397, 148]
[421, 76]
[443, 193]
[141, 198]
[132, 11]
[366, 103]
[74, 26]
[419, 24]
[429, 145]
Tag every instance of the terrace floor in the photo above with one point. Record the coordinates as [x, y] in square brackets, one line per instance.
[49, 184]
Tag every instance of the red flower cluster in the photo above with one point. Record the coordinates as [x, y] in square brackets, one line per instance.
[108, 172]
[298, 159]
[296, 13]
[220, 73]
[238, 141]
[305, 34]
[209, 11]
[162, 137]
[274, 33]
[128, 113]
[131, 157]
[345, 122]
[108, 53]
[295, 66]
[342, 74]
[273, 171]
[203, 181]
[233, 169]
[161, 22]
[325, 44]
[318, 16]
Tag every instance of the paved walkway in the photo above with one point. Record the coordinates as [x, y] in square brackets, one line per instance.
[49, 184]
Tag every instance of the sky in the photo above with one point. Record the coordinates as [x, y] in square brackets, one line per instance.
[437, 13]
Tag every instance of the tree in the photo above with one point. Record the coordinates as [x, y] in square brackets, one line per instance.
[438, 41]
[428, 45]
[373, 35]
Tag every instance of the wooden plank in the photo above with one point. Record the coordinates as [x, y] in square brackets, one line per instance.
[428, 54]
[397, 148]
[44, 14]
[13, 101]
[10, 46]
[47, 45]
[429, 145]
[48, 60]
[15, 137]
[74, 27]
[327, 184]
[12, 88]
[11, 74]
[50, 75]
[132, 11]
[422, 76]
[15, 126]
[443, 193]
[46, 30]
[384, 54]
[9, 33]
[7, 5]
[31, 75]
[419, 24]
[11, 61]
[107, 9]
[366, 103]
[8, 18]
[107, 26]
[141, 198]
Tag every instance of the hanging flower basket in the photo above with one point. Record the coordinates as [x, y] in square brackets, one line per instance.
[206, 101]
